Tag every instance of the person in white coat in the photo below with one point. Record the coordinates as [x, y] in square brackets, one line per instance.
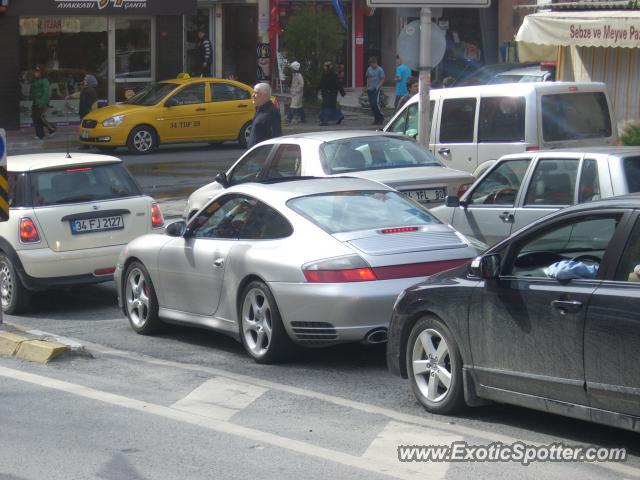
[297, 91]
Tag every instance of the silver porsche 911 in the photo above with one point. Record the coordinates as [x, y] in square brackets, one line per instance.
[311, 262]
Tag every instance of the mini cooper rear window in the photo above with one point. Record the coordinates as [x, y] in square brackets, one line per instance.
[361, 210]
[81, 184]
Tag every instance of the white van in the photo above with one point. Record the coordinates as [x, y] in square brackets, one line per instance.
[479, 124]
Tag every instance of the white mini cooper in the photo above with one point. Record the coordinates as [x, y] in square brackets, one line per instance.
[69, 217]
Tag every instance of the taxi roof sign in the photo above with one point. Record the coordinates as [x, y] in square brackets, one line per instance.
[183, 76]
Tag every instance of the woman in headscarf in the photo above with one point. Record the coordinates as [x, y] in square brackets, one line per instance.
[297, 91]
[88, 96]
[329, 87]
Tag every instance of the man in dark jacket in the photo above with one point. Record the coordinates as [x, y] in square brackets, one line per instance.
[329, 87]
[205, 54]
[266, 122]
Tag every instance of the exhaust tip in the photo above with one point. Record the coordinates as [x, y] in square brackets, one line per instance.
[379, 335]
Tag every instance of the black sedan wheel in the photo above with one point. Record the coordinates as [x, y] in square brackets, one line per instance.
[434, 366]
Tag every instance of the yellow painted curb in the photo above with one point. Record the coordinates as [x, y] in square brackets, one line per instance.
[9, 343]
[39, 351]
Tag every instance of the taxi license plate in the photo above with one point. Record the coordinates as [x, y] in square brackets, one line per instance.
[428, 195]
[84, 134]
[88, 225]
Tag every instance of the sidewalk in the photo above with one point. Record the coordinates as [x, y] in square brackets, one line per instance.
[23, 141]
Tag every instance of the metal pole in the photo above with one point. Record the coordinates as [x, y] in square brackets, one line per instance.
[424, 67]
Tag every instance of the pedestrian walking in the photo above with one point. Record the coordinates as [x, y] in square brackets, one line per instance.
[266, 122]
[205, 54]
[402, 75]
[329, 87]
[375, 80]
[297, 92]
[39, 95]
[413, 86]
[87, 95]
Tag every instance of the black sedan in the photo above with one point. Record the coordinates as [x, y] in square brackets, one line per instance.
[548, 319]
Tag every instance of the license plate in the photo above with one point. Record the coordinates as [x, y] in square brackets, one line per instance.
[84, 134]
[101, 224]
[428, 195]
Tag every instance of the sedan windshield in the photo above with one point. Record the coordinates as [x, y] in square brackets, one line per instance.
[361, 210]
[374, 153]
[152, 94]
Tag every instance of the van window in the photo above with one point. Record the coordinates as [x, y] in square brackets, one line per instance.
[632, 173]
[501, 119]
[407, 123]
[553, 182]
[575, 116]
[458, 119]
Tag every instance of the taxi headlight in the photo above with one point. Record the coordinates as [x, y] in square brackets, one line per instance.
[113, 121]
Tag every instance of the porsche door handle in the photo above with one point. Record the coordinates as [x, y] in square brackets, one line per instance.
[566, 306]
[218, 262]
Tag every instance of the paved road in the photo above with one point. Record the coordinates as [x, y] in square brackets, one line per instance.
[190, 403]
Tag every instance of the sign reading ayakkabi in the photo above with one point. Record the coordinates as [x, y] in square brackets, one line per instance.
[582, 29]
[103, 7]
[101, 4]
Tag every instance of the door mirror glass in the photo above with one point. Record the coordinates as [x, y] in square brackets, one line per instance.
[176, 229]
[451, 201]
[221, 178]
[486, 266]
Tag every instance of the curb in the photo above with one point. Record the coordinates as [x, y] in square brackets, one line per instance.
[36, 346]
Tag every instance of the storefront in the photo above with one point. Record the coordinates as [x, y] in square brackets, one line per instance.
[124, 43]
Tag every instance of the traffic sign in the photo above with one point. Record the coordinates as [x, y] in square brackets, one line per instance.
[4, 185]
[430, 3]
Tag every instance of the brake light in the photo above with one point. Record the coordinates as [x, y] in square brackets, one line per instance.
[573, 89]
[463, 188]
[80, 169]
[399, 230]
[340, 276]
[533, 149]
[28, 231]
[157, 220]
[350, 268]
[411, 270]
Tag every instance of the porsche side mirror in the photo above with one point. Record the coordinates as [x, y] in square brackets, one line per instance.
[176, 229]
[222, 179]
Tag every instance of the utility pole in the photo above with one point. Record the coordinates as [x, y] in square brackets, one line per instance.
[424, 68]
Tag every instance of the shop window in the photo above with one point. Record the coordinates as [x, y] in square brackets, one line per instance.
[133, 48]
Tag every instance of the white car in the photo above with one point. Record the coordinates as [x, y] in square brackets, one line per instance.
[394, 160]
[69, 218]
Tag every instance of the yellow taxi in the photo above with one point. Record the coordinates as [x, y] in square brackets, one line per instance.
[184, 109]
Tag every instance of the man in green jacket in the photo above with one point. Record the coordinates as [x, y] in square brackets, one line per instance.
[40, 103]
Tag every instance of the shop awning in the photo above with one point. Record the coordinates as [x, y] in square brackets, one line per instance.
[582, 29]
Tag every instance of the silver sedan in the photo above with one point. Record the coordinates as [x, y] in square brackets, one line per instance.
[392, 159]
[311, 262]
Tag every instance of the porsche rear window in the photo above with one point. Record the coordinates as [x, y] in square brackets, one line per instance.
[337, 212]
[81, 184]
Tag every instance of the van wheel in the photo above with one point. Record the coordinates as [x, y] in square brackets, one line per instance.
[15, 297]
[142, 140]
[245, 132]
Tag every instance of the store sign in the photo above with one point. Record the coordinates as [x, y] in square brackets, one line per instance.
[111, 7]
[430, 3]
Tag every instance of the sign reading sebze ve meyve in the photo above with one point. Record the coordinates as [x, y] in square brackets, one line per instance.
[107, 7]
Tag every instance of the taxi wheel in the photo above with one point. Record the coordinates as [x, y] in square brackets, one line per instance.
[142, 140]
[15, 297]
[243, 138]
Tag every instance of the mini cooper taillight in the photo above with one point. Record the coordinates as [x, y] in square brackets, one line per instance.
[157, 220]
[28, 231]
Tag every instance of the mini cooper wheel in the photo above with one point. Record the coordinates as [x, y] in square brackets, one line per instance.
[15, 297]
[245, 133]
[140, 300]
[142, 140]
[434, 367]
[261, 329]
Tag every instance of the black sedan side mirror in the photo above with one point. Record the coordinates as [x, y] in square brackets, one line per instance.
[486, 266]
[222, 179]
[176, 229]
